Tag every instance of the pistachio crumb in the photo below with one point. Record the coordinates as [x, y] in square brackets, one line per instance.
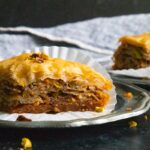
[26, 143]
[145, 117]
[132, 124]
[99, 109]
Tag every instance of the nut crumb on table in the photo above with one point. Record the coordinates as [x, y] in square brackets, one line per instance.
[128, 109]
[133, 124]
[145, 117]
[26, 143]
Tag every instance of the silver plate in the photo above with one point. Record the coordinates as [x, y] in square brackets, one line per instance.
[139, 104]
[133, 80]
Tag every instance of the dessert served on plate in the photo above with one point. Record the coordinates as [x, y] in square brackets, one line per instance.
[37, 83]
[134, 52]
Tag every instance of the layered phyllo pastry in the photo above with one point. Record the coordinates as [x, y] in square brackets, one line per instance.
[133, 52]
[38, 83]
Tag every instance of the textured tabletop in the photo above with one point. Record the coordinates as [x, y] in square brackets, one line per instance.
[113, 136]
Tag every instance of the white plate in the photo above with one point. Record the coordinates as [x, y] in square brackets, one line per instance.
[77, 56]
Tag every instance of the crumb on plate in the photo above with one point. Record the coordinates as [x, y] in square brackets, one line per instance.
[128, 95]
[22, 118]
[99, 109]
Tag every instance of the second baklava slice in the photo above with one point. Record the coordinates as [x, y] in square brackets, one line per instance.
[133, 52]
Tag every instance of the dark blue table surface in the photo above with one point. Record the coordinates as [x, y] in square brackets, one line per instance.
[112, 136]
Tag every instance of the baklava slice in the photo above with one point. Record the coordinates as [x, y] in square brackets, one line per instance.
[38, 83]
[134, 52]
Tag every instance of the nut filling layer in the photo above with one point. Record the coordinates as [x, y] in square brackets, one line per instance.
[52, 96]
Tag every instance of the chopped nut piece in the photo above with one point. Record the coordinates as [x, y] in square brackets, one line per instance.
[39, 58]
[99, 109]
[128, 109]
[37, 103]
[128, 95]
[22, 118]
[73, 100]
[26, 143]
[34, 55]
[132, 124]
[146, 117]
[56, 109]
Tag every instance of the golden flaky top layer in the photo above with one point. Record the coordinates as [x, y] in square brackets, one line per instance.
[142, 40]
[30, 67]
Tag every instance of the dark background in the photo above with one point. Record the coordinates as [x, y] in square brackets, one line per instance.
[46, 13]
